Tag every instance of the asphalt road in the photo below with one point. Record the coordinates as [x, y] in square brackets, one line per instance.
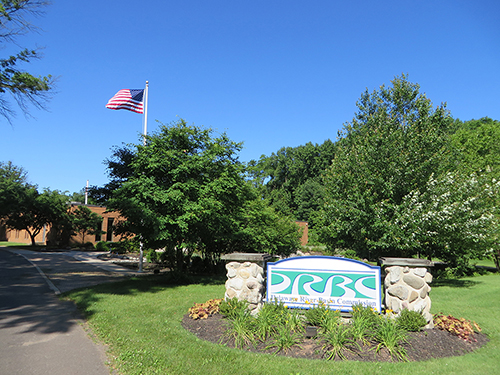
[40, 334]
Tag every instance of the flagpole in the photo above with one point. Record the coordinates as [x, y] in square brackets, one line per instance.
[146, 112]
[145, 133]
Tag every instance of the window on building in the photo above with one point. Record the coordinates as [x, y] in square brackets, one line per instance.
[109, 230]
[98, 236]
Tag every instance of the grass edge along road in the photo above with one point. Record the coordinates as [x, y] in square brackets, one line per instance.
[140, 320]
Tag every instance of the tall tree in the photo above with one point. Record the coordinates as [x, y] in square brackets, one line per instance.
[183, 190]
[13, 182]
[86, 222]
[286, 178]
[25, 88]
[394, 143]
[455, 219]
[36, 211]
[478, 146]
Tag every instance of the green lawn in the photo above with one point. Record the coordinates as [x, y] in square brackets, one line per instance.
[13, 244]
[484, 262]
[140, 320]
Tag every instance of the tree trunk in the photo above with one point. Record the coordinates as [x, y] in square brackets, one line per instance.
[32, 236]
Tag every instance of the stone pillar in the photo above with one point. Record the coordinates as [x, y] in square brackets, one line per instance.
[245, 281]
[408, 288]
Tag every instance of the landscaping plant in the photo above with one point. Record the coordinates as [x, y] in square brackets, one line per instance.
[284, 338]
[233, 308]
[412, 321]
[389, 335]
[363, 324]
[241, 329]
[336, 336]
[204, 310]
[460, 327]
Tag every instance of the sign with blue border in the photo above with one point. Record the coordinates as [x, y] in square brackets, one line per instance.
[338, 283]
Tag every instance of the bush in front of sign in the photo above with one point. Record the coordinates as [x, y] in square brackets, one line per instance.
[411, 321]
[319, 315]
[363, 324]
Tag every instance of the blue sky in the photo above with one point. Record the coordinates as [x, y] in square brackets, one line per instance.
[269, 73]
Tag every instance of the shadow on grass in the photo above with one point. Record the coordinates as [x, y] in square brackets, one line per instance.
[85, 298]
[455, 283]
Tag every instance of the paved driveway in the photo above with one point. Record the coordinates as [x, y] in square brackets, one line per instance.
[40, 334]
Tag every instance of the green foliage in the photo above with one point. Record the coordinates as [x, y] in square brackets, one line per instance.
[125, 246]
[232, 308]
[337, 337]
[86, 222]
[267, 320]
[363, 324]
[183, 190]
[34, 210]
[241, 325]
[101, 246]
[387, 192]
[321, 316]
[23, 86]
[13, 183]
[294, 320]
[264, 230]
[206, 265]
[389, 335]
[452, 218]
[152, 256]
[284, 338]
[89, 245]
[80, 197]
[411, 321]
[477, 143]
[289, 178]
[241, 330]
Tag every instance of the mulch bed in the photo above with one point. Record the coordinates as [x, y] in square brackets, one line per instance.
[421, 346]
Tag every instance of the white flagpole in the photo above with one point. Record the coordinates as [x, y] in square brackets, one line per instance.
[146, 112]
[145, 133]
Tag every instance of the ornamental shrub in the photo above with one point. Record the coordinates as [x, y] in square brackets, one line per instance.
[232, 308]
[411, 321]
[101, 246]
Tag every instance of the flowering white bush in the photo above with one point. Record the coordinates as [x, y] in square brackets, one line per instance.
[454, 219]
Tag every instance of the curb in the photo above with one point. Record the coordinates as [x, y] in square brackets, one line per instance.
[49, 283]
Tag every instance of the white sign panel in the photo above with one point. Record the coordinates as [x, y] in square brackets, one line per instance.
[336, 282]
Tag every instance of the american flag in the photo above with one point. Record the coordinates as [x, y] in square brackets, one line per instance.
[127, 99]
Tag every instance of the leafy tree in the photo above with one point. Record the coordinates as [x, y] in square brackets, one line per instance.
[80, 197]
[478, 145]
[25, 88]
[119, 170]
[264, 230]
[35, 210]
[286, 179]
[13, 182]
[454, 219]
[182, 191]
[86, 222]
[394, 143]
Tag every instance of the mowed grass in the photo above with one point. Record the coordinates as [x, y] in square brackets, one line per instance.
[140, 320]
[14, 244]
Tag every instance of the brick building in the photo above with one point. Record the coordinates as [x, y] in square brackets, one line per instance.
[109, 218]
